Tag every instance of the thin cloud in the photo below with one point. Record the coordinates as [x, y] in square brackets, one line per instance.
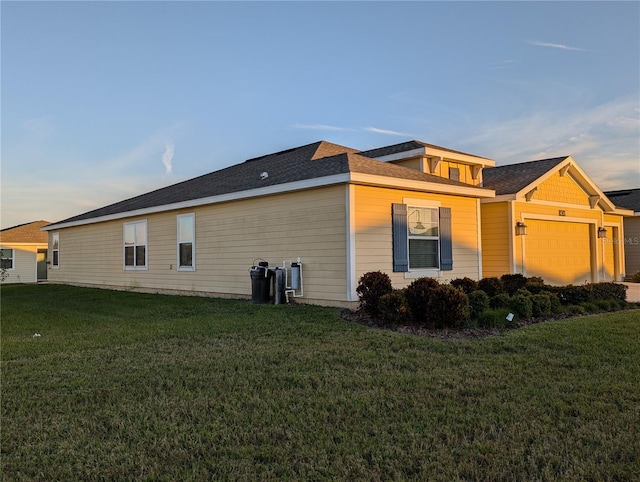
[167, 158]
[386, 132]
[556, 46]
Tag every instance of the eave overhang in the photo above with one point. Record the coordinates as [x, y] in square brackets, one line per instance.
[346, 178]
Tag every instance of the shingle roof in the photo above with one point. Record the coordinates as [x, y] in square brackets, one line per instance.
[408, 146]
[25, 233]
[626, 198]
[514, 177]
[312, 161]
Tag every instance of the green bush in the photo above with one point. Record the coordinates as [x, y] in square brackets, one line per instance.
[371, 287]
[478, 303]
[447, 307]
[574, 310]
[573, 295]
[608, 291]
[491, 286]
[635, 278]
[541, 304]
[493, 318]
[522, 306]
[590, 307]
[417, 295]
[556, 306]
[501, 300]
[394, 309]
[535, 285]
[467, 285]
[513, 282]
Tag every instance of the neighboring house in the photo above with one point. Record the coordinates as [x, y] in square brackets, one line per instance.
[24, 253]
[630, 199]
[409, 210]
[574, 232]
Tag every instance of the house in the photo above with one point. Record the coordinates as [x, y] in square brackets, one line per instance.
[630, 199]
[549, 219]
[24, 253]
[410, 210]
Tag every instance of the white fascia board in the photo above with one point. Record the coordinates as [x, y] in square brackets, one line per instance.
[421, 151]
[10, 243]
[234, 196]
[433, 152]
[499, 199]
[459, 157]
[411, 185]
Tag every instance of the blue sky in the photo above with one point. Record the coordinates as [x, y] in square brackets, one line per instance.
[102, 101]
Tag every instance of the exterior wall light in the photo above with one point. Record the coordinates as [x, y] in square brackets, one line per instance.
[602, 233]
[521, 228]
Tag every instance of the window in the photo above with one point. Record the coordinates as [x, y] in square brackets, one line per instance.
[135, 245]
[186, 242]
[454, 173]
[422, 225]
[421, 238]
[55, 250]
[6, 258]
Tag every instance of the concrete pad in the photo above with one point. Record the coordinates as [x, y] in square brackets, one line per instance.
[633, 293]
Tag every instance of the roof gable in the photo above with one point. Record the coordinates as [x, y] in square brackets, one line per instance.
[513, 178]
[524, 179]
[25, 233]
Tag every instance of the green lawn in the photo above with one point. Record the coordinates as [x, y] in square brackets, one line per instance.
[124, 386]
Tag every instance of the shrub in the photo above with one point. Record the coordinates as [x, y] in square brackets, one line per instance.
[371, 287]
[572, 295]
[635, 278]
[541, 304]
[394, 308]
[491, 286]
[608, 291]
[535, 285]
[478, 303]
[522, 306]
[513, 282]
[447, 307]
[466, 285]
[574, 310]
[417, 295]
[499, 301]
[556, 306]
[493, 318]
[523, 292]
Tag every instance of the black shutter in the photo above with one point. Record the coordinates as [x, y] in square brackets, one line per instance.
[400, 243]
[446, 244]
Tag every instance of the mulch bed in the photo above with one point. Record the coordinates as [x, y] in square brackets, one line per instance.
[362, 318]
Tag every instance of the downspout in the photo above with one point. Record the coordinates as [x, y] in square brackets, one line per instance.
[479, 232]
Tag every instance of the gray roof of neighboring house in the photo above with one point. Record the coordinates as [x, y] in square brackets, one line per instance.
[25, 233]
[408, 146]
[515, 177]
[625, 198]
[312, 161]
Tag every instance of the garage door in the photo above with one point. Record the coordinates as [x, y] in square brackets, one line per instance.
[558, 252]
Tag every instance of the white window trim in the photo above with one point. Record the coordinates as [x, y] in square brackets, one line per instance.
[13, 258]
[422, 272]
[53, 236]
[193, 242]
[146, 249]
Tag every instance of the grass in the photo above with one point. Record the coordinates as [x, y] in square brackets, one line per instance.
[124, 386]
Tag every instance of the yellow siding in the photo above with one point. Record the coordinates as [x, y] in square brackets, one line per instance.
[442, 170]
[373, 232]
[495, 239]
[24, 263]
[228, 238]
[561, 189]
[413, 163]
